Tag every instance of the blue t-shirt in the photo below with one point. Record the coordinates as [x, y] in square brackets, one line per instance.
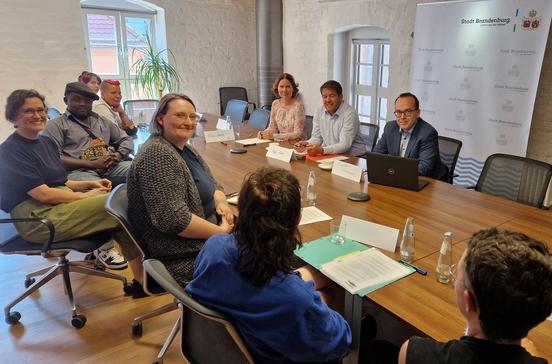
[284, 320]
[204, 183]
[26, 164]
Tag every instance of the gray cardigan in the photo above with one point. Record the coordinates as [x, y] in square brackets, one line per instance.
[162, 196]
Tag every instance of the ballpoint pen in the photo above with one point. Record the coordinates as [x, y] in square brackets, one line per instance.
[417, 269]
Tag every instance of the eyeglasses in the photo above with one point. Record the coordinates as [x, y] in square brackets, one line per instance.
[183, 116]
[31, 112]
[406, 113]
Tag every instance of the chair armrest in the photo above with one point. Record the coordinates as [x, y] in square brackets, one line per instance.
[51, 229]
[156, 269]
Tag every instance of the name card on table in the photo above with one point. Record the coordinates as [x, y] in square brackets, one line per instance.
[369, 233]
[223, 124]
[279, 153]
[219, 136]
[347, 170]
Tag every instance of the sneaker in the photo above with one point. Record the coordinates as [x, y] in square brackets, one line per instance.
[136, 290]
[111, 258]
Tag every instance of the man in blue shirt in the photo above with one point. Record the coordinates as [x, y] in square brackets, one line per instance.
[335, 126]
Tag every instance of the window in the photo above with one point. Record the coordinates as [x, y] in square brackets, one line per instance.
[114, 39]
[370, 80]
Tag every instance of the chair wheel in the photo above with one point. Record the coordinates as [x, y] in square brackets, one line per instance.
[13, 318]
[78, 321]
[137, 330]
[28, 282]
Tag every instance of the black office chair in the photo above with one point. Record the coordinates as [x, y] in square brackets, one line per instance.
[259, 119]
[236, 109]
[516, 178]
[117, 206]
[369, 134]
[52, 113]
[15, 244]
[308, 126]
[207, 336]
[449, 150]
[140, 111]
[233, 93]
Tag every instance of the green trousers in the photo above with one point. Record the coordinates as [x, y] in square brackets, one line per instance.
[72, 220]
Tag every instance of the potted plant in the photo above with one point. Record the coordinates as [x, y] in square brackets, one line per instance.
[154, 74]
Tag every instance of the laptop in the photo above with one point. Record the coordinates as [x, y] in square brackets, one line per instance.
[393, 171]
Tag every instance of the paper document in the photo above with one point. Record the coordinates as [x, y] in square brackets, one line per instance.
[311, 214]
[358, 271]
[253, 141]
[372, 234]
[338, 158]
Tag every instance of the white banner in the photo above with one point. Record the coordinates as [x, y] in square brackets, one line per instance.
[475, 68]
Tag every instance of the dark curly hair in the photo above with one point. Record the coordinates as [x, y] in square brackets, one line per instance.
[510, 276]
[266, 229]
[15, 101]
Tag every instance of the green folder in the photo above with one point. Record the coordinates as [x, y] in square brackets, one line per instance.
[320, 251]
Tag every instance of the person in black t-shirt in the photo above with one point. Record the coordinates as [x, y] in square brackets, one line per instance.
[503, 289]
[34, 183]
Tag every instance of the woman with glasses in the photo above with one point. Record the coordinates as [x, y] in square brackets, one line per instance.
[34, 183]
[174, 201]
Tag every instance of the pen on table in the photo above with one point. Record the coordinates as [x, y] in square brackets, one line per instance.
[417, 269]
[223, 143]
[232, 194]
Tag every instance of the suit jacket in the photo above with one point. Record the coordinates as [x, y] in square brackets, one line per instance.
[423, 146]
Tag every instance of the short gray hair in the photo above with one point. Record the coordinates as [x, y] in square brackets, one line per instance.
[154, 127]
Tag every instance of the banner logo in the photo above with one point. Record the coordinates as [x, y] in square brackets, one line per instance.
[531, 21]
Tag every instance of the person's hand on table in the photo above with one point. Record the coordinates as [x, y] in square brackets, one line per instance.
[265, 134]
[314, 150]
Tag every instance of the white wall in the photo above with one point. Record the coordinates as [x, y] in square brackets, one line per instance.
[43, 47]
[309, 24]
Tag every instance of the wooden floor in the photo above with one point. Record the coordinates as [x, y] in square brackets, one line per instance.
[45, 334]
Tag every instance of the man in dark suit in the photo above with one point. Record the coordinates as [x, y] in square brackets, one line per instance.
[411, 137]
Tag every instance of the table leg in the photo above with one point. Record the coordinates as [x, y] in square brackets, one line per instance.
[353, 315]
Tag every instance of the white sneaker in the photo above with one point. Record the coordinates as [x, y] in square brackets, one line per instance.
[111, 258]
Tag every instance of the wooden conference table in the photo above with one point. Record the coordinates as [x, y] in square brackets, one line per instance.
[417, 300]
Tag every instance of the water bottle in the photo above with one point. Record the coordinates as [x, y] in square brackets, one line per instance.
[444, 264]
[311, 193]
[229, 122]
[408, 245]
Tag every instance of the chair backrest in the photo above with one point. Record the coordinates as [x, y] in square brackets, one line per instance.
[236, 110]
[231, 93]
[117, 206]
[449, 150]
[516, 178]
[308, 126]
[207, 336]
[259, 119]
[53, 113]
[140, 111]
[369, 134]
